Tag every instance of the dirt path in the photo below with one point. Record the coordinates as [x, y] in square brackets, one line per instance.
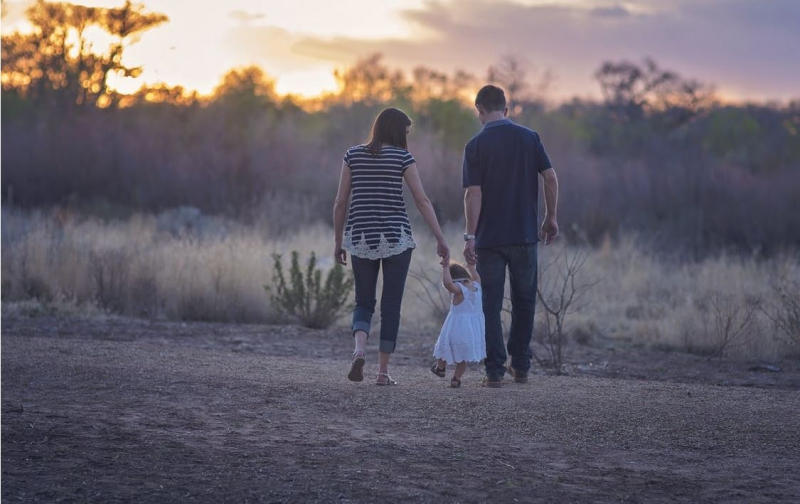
[128, 411]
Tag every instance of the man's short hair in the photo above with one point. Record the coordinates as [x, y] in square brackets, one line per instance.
[491, 98]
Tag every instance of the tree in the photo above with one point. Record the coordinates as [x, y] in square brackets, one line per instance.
[161, 93]
[246, 91]
[631, 91]
[429, 85]
[57, 64]
[512, 74]
[248, 81]
[370, 82]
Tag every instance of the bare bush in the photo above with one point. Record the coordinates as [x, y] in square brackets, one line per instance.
[432, 293]
[785, 312]
[731, 322]
[558, 292]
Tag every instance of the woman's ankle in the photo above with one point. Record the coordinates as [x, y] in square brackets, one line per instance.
[360, 338]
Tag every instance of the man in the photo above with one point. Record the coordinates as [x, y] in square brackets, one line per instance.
[502, 166]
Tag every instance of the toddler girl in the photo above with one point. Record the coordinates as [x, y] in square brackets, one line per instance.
[461, 339]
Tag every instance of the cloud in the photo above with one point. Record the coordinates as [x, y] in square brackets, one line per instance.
[275, 49]
[743, 47]
[245, 17]
[611, 12]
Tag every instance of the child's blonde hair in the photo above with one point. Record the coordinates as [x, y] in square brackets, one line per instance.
[459, 272]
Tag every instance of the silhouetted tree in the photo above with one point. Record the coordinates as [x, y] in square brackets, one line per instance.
[631, 91]
[524, 94]
[56, 64]
[244, 93]
[370, 82]
[510, 73]
[160, 93]
[428, 84]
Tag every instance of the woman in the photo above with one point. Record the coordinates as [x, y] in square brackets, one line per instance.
[378, 233]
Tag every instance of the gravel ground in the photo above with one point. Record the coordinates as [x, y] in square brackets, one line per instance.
[122, 410]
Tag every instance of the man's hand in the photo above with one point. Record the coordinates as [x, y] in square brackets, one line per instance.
[549, 230]
[469, 252]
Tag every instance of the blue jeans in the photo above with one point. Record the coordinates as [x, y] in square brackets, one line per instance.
[521, 261]
[395, 271]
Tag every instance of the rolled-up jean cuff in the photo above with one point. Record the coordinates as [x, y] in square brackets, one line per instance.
[360, 325]
[387, 346]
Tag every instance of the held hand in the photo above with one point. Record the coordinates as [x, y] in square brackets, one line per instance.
[469, 252]
[340, 255]
[443, 251]
[549, 230]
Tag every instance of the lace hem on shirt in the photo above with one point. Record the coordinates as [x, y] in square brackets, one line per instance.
[383, 250]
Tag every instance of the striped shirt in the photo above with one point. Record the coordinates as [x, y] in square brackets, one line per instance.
[377, 223]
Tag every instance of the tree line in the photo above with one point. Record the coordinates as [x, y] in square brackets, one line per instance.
[658, 155]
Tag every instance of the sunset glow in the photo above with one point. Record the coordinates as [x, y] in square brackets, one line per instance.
[300, 44]
[199, 43]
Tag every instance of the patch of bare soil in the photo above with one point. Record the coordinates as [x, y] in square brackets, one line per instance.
[120, 410]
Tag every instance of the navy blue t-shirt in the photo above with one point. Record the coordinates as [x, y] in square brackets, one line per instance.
[505, 160]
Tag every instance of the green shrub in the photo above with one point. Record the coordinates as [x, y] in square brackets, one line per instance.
[304, 297]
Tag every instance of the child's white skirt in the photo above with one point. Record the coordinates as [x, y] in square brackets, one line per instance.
[462, 338]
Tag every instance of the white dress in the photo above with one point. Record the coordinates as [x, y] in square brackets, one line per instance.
[462, 335]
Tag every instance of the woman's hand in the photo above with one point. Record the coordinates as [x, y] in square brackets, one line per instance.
[340, 255]
[443, 251]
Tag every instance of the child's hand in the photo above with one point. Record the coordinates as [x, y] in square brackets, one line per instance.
[445, 262]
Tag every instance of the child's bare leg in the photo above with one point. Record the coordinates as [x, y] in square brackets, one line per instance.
[441, 364]
[455, 381]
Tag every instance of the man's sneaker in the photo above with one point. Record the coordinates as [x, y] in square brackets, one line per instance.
[492, 382]
[518, 376]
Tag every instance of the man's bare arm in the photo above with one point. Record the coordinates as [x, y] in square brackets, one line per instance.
[472, 211]
[550, 223]
[472, 208]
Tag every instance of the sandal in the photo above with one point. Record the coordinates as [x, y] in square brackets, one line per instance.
[455, 382]
[389, 380]
[440, 372]
[357, 367]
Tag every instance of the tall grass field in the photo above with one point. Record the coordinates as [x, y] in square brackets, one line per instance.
[182, 265]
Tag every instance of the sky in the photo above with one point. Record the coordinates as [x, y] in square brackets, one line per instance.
[746, 49]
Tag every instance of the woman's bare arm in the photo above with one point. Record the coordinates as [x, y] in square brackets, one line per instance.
[339, 214]
[425, 208]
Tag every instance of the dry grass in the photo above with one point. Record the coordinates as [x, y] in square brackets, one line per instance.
[183, 266]
[658, 302]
